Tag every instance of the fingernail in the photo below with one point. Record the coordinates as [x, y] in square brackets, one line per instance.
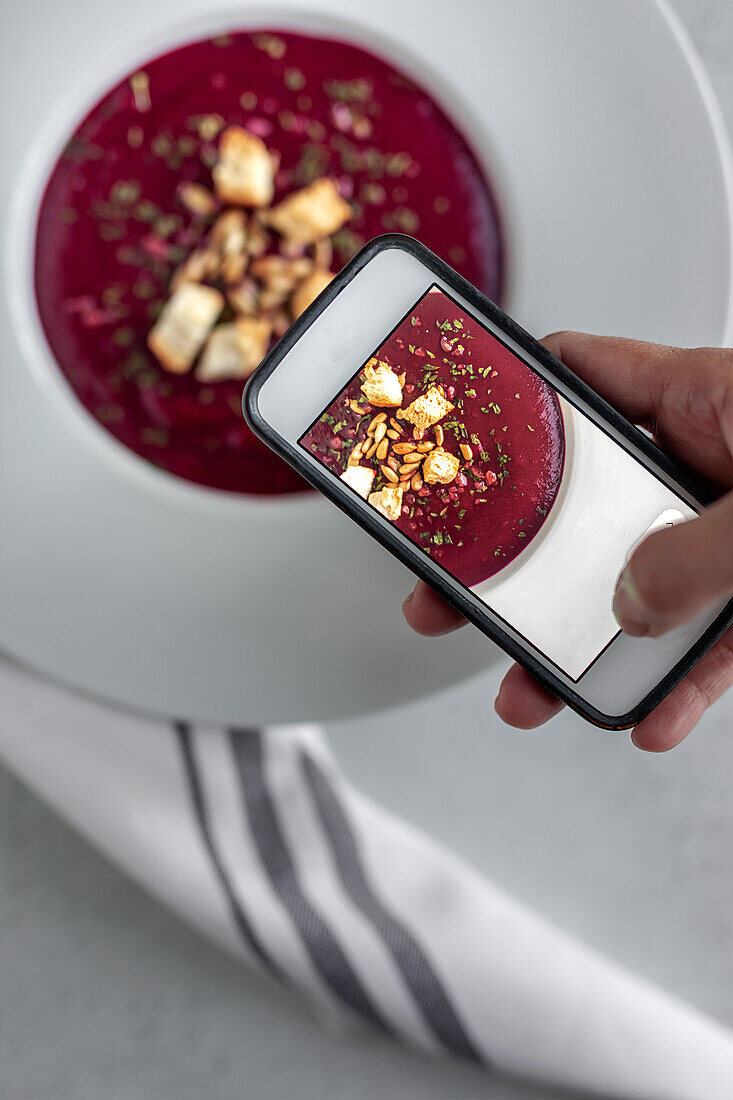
[630, 613]
[408, 601]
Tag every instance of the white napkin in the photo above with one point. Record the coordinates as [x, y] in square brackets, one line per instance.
[256, 838]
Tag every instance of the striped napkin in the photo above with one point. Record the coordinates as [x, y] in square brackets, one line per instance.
[255, 837]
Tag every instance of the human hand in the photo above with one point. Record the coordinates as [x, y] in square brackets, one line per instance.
[685, 399]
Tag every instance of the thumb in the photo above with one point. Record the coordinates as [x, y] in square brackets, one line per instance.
[674, 574]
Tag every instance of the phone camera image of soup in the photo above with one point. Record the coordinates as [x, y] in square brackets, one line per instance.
[506, 485]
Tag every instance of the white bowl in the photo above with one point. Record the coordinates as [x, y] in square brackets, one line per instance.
[133, 585]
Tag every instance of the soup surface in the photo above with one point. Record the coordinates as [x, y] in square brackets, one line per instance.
[114, 231]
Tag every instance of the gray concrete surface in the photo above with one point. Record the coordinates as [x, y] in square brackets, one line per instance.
[105, 995]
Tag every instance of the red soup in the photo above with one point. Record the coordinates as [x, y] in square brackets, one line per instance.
[134, 208]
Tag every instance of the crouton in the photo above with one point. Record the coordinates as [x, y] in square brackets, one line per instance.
[360, 479]
[314, 212]
[229, 233]
[280, 277]
[185, 322]
[244, 298]
[388, 501]
[440, 467]
[381, 386]
[309, 290]
[428, 409]
[197, 199]
[244, 173]
[201, 264]
[258, 239]
[233, 350]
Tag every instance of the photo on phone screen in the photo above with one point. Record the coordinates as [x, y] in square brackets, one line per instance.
[513, 490]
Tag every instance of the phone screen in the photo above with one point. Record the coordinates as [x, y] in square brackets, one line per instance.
[511, 488]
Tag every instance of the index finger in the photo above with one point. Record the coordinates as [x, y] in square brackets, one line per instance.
[631, 375]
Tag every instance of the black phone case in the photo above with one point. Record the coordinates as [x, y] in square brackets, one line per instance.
[422, 564]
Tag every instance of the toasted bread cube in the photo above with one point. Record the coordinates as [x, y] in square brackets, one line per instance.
[197, 199]
[279, 276]
[314, 212]
[381, 386]
[229, 233]
[428, 409]
[388, 501]
[202, 263]
[186, 320]
[233, 350]
[255, 334]
[244, 298]
[360, 478]
[279, 273]
[258, 239]
[244, 173]
[309, 290]
[440, 467]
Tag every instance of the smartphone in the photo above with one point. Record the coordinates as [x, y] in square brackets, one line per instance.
[480, 461]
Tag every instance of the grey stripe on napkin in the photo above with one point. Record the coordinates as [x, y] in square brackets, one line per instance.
[240, 918]
[411, 960]
[319, 940]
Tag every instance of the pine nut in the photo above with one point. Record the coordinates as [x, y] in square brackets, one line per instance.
[439, 435]
[416, 482]
[378, 419]
[370, 453]
[391, 434]
[466, 451]
[424, 447]
[389, 474]
[395, 424]
[382, 449]
[409, 468]
[380, 431]
[413, 456]
[417, 433]
[403, 448]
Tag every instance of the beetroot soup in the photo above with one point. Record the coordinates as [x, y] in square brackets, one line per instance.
[206, 200]
[451, 437]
